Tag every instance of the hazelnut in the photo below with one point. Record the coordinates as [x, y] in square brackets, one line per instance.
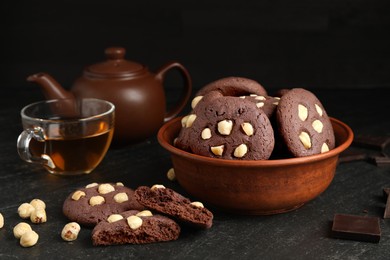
[318, 109]
[206, 133]
[302, 112]
[157, 186]
[197, 204]
[78, 194]
[171, 174]
[247, 128]
[317, 125]
[144, 213]
[94, 184]
[25, 210]
[1, 220]
[105, 188]
[195, 101]
[260, 98]
[28, 239]
[96, 200]
[38, 216]
[190, 120]
[217, 150]
[114, 217]
[134, 222]
[38, 204]
[184, 121]
[240, 151]
[260, 104]
[324, 148]
[121, 197]
[225, 127]
[70, 231]
[20, 229]
[305, 139]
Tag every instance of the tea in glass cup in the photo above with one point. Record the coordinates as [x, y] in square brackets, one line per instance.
[67, 136]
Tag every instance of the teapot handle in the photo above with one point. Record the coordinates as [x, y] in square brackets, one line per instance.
[187, 87]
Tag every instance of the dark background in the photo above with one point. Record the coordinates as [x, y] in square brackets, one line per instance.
[311, 44]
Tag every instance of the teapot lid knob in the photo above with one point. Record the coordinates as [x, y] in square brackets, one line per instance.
[115, 53]
[116, 66]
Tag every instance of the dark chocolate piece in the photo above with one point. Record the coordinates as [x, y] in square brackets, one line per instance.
[360, 228]
[382, 161]
[386, 214]
[352, 155]
[371, 142]
[386, 194]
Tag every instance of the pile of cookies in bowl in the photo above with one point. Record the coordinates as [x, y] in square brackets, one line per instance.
[244, 151]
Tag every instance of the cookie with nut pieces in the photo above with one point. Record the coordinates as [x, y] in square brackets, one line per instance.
[227, 127]
[135, 227]
[95, 202]
[233, 86]
[266, 103]
[304, 124]
[237, 87]
[173, 204]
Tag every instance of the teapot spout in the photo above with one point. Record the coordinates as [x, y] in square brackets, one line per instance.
[50, 87]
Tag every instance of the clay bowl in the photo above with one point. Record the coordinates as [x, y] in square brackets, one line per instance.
[254, 187]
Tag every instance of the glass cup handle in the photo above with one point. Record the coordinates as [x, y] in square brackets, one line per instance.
[23, 144]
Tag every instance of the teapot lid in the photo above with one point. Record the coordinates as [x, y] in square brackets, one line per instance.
[115, 66]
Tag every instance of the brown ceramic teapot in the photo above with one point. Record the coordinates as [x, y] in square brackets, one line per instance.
[138, 94]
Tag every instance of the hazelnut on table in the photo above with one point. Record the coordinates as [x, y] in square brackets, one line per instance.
[1, 220]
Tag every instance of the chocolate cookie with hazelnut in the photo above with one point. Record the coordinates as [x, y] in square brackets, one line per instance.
[227, 127]
[173, 204]
[95, 202]
[135, 227]
[304, 124]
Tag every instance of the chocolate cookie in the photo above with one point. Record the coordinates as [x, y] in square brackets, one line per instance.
[171, 203]
[266, 103]
[227, 127]
[134, 227]
[234, 86]
[304, 124]
[93, 203]
[281, 92]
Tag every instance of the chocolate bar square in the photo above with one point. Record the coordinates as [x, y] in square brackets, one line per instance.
[386, 194]
[360, 228]
[372, 141]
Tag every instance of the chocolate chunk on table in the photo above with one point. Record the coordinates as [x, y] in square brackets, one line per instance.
[371, 141]
[382, 161]
[386, 194]
[350, 155]
[360, 228]
[386, 214]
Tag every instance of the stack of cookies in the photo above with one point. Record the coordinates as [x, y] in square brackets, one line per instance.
[235, 118]
[120, 215]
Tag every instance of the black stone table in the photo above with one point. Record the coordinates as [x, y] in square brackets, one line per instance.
[301, 234]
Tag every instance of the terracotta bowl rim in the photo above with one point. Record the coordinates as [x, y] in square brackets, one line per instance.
[254, 163]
